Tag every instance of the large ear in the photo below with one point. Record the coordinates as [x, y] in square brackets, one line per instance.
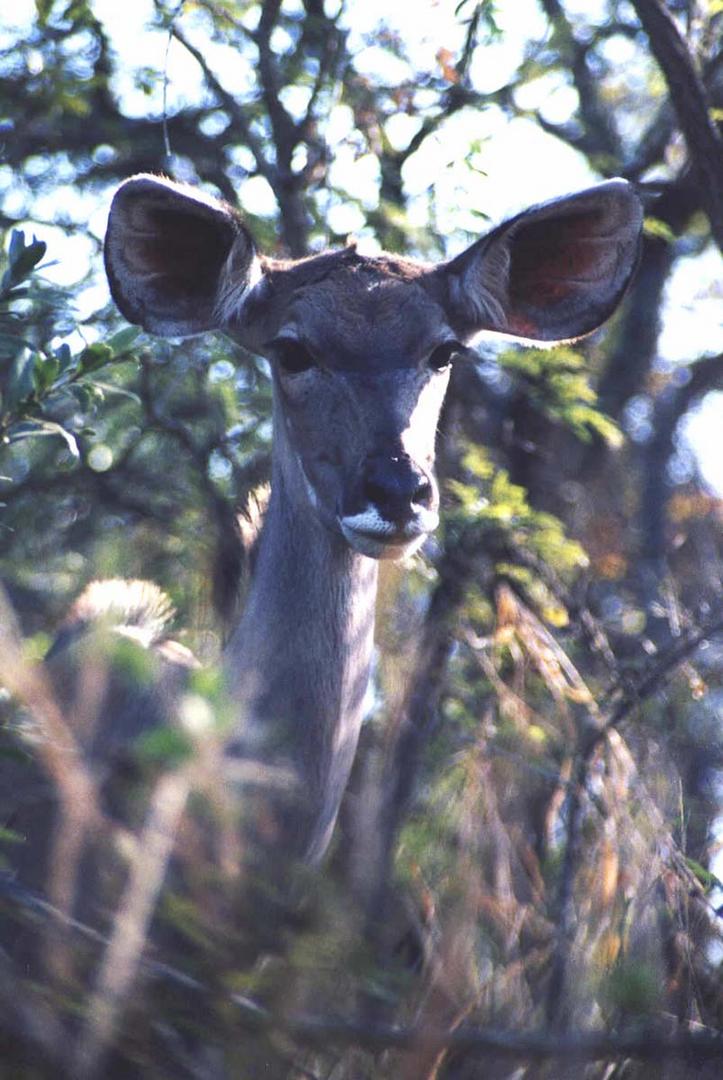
[552, 273]
[171, 253]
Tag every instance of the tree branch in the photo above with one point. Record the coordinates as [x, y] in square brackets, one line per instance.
[645, 1045]
[601, 136]
[621, 704]
[282, 126]
[690, 102]
[670, 409]
[636, 344]
[238, 117]
[286, 137]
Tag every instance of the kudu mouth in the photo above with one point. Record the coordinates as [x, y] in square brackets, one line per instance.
[371, 535]
[395, 508]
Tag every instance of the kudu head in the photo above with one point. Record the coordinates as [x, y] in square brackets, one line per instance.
[360, 346]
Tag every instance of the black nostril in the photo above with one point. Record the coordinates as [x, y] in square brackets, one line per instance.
[423, 493]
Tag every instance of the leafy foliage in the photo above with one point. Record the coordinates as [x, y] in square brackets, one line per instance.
[557, 384]
[39, 380]
[529, 844]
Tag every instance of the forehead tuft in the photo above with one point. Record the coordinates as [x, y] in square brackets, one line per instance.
[353, 311]
[347, 264]
[360, 310]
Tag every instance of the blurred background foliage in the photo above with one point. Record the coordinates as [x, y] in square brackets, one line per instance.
[545, 741]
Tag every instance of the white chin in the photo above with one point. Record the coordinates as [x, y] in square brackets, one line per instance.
[381, 548]
[370, 535]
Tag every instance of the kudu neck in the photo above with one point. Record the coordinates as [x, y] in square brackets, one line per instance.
[299, 660]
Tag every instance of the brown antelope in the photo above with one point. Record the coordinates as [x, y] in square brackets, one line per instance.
[360, 350]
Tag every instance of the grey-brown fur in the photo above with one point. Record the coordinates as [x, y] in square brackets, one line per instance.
[358, 347]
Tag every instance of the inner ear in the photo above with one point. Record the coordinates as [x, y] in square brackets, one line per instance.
[555, 263]
[554, 272]
[185, 251]
[166, 250]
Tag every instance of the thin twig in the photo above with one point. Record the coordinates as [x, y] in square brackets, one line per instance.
[600, 135]
[598, 729]
[130, 932]
[282, 126]
[689, 98]
[659, 673]
[642, 1044]
[235, 111]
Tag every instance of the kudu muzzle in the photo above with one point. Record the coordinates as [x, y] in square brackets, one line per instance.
[393, 507]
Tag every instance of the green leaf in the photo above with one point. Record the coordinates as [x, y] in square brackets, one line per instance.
[28, 429]
[94, 357]
[119, 391]
[43, 8]
[209, 683]
[165, 746]
[477, 461]
[65, 358]
[121, 342]
[653, 226]
[45, 372]
[10, 836]
[87, 394]
[22, 258]
[706, 878]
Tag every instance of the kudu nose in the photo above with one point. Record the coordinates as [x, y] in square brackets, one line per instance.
[396, 486]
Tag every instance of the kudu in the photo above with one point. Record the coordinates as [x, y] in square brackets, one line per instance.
[360, 349]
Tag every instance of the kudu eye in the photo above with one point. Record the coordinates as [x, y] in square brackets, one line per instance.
[292, 356]
[444, 354]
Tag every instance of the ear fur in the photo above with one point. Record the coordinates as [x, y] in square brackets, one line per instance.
[554, 272]
[173, 254]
